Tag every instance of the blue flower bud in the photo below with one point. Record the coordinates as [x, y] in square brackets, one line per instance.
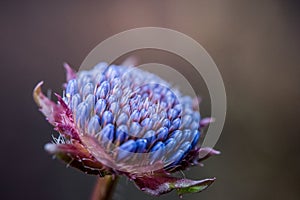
[114, 107]
[195, 138]
[116, 82]
[112, 72]
[173, 114]
[103, 90]
[76, 99]
[178, 107]
[87, 89]
[196, 116]
[175, 124]
[90, 101]
[150, 136]
[186, 121]
[99, 79]
[126, 149]
[107, 118]
[82, 114]
[111, 99]
[84, 78]
[100, 107]
[126, 109]
[177, 135]
[175, 158]
[94, 125]
[141, 145]
[158, 151]
[107, 134]
[135, 116]
[170, 144]
[121, 134]
[194, 125]
[162, 133]
[186, 135]
[135, 129]
[72, 88]
[122, 119]
[186, 147]
[147, 123]
[166, 123]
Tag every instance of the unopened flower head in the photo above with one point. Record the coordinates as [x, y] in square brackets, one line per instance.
[125, 121]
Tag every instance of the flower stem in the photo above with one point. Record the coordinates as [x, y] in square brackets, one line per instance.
[104, 187]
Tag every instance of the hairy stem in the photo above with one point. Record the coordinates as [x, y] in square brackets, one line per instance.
[104, 187]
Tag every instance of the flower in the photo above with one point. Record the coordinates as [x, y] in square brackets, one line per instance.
[118, 120]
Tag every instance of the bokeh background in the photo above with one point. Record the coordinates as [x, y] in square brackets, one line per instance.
[254, 43]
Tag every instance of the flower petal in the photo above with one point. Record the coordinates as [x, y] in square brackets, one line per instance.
[206, 152]
[185, 186]
[47, 107]
[92, 145]
[133, 166]
[206, 121]
[194, 157]
[162, 183]
[77, 156]
[70, 73]
[59, 115]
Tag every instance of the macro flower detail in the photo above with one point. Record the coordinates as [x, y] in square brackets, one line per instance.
[119, 120]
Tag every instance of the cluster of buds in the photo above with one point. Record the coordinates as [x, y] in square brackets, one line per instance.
[118, 120]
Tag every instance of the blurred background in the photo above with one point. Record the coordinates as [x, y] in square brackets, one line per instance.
[255, 44]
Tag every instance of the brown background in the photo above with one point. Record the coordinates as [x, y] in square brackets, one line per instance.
[254, 43]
